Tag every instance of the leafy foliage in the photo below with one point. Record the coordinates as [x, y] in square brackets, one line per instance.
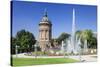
[62, 37]
[24, 39]
[89, 36]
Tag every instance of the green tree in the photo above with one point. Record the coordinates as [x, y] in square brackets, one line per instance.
[93, 42]
[63, 37]
[25, 40]
[87, 35]
[13, 44]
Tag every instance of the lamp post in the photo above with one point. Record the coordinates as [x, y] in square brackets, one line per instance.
[17, 51]
[32, 47]
[28, 49]
[36, 45]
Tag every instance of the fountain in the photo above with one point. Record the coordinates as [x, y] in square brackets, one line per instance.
[85, 46]
[75, 41]
[79, 48]
[73, 33]
[71, 41]
[69, 47]
[73, 44]
[79, 45]
[63, 47]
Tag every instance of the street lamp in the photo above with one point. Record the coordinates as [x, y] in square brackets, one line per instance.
[32, 47]
[28, 50]
[36, 45]
[17, 51]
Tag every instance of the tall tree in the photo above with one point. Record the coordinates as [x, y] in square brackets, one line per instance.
[89, 36]
[25, 39]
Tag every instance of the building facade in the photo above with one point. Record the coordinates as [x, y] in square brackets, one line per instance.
[45, 32]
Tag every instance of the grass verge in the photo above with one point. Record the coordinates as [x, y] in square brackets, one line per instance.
[40, 61]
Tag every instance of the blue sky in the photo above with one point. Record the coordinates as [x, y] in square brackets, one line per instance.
[27, 15]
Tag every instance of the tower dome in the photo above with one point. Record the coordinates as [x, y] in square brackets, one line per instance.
[45, 18]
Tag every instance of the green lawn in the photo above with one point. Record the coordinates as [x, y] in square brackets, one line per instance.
[40, 61]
